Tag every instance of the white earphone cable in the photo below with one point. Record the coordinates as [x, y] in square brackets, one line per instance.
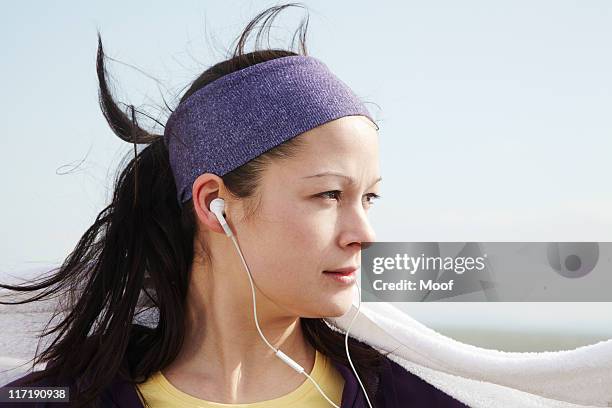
[348, 355]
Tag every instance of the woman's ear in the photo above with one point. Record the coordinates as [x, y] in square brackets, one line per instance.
[205, 189]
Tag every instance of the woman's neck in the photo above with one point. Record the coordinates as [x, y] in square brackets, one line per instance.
[223, 357]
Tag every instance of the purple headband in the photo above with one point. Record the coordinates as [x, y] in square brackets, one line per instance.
[239, 116]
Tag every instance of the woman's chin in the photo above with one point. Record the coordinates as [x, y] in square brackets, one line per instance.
[337, 307]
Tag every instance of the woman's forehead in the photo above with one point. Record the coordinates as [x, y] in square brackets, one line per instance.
[347, 135]
[342, 164]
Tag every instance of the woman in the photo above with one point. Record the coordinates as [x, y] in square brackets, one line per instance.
[293, 154]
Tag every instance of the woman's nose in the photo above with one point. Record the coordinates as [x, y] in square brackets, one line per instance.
[357, 228]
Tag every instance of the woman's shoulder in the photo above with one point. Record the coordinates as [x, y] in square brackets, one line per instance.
[403, 388]
[119, 393]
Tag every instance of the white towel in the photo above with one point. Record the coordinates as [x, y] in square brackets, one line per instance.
[481, 377]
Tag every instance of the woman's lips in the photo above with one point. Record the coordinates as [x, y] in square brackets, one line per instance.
[344, 271]
[346, 276]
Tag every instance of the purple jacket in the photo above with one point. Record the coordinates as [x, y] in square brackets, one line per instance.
[395, 388]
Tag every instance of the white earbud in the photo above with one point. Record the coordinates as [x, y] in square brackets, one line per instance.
[216, 207]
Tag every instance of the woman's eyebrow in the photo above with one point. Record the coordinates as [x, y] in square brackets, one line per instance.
[351, 181]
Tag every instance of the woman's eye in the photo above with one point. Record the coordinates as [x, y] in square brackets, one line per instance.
[334, 194]
[330, 194]
[372, 197]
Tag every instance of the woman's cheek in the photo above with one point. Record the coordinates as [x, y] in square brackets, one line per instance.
[299, 230]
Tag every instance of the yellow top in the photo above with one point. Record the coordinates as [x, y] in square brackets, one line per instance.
[159, 392]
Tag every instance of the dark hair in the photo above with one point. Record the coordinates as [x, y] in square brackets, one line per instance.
[137, 254]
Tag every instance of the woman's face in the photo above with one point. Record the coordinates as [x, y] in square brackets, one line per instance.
[299, 232]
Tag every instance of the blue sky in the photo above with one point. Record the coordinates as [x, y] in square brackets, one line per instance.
[495, 116]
